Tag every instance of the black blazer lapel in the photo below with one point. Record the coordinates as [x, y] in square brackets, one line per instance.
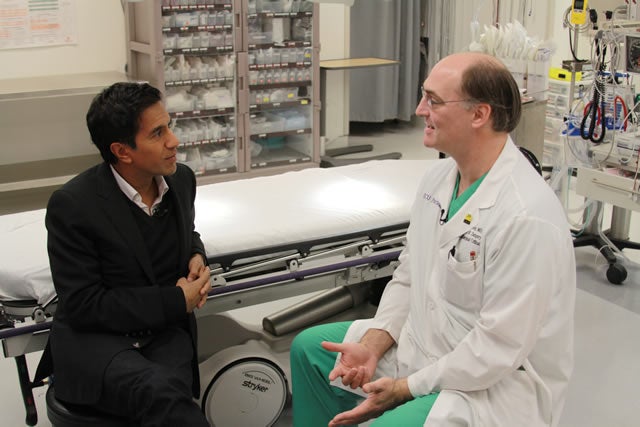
[181, 211]
[119, 213]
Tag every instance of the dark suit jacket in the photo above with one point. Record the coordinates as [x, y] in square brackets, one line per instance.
[108, 296]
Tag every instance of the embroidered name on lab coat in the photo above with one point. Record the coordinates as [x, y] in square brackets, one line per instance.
[429, 198]
[473, 236]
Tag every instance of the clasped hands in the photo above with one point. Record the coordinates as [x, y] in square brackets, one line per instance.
[196, 285]
[356, 368]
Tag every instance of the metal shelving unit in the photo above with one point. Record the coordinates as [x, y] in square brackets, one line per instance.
[240, 78]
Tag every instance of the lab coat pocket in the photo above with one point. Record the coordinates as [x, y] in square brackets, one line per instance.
[463, 284]
[513, 401]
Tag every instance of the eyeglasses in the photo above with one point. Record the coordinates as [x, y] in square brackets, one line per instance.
[434, 103]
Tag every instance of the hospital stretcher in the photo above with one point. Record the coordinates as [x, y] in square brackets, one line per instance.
[328, 233]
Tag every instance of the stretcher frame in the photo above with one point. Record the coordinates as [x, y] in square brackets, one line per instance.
[360, 244]
[238, 280]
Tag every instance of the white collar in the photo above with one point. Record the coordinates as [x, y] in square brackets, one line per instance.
[133, 195]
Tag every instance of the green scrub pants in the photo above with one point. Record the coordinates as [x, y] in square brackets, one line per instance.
[316, 402]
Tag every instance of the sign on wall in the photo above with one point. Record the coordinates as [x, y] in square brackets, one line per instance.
[37, 23]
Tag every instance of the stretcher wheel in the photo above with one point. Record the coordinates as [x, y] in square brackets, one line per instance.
[248, 391]
[616, 273]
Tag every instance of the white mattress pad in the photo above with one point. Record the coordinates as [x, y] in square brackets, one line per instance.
[242, 215]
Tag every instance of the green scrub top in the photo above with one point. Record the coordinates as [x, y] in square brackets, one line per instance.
[458, 202]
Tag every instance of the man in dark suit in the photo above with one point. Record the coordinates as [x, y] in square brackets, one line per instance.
[129, 269]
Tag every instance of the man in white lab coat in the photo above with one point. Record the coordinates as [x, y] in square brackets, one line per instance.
[476, 326]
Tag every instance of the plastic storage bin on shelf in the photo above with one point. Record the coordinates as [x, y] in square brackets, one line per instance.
[281, 80]
[199, 75]
[227, 67]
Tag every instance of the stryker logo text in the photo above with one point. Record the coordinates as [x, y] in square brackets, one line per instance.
[253, 386]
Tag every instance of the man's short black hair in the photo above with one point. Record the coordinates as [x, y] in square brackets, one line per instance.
[114, 115]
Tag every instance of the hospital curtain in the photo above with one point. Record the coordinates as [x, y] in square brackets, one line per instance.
[386, 29]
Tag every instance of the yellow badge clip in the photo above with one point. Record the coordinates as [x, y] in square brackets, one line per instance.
[467, 219]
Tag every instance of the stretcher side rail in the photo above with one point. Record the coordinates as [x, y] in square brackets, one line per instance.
[292, 260]
[19, 338]
[24, 319]
[20, 309]
[370, 253]
[273, 286]
[302, 248]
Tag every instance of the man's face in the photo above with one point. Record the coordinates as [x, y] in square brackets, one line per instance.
[446, 111]
[156, 145]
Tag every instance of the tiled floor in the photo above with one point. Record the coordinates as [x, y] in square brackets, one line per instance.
[604, 387]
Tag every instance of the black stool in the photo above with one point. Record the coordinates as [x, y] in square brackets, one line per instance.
[67, 415]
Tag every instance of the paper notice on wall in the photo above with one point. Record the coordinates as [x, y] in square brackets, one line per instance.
[37, 23]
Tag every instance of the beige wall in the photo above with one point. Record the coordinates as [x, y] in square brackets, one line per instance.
[100, 47]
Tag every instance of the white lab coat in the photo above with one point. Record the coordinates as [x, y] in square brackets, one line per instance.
[494, 334]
